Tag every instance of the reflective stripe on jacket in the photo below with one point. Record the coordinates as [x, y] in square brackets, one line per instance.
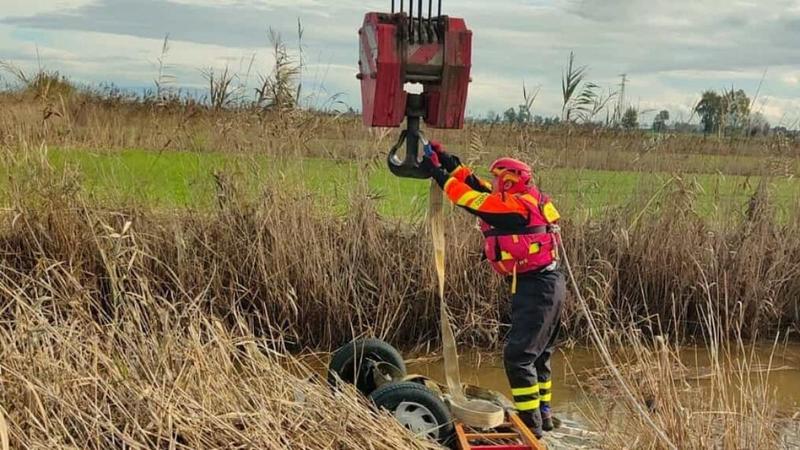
[515, 226]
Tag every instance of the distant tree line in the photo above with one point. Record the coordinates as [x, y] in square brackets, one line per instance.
[725, 114]
[584, 103]
[728, 113]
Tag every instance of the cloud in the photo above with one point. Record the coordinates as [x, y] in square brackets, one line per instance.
[228, 23]
[779, 111]
[670, 50]
[13, 8]
[792, 80]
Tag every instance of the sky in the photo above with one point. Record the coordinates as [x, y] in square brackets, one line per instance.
[670, 50]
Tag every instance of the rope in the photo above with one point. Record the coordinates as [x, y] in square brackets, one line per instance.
[603, 349]
[472, 412]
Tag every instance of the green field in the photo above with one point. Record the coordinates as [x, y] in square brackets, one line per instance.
[168, 180]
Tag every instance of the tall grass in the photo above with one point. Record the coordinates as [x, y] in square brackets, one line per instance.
[111, 120]
[285, 263]
[730, 404]
[144, 371]
[109, 340]
[122, 325]
[138, 328]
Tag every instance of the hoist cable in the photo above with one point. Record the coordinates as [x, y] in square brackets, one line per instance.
[411, 21]
[419, 21]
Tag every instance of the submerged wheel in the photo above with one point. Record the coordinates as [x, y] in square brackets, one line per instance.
[418, 409]
[352, 363]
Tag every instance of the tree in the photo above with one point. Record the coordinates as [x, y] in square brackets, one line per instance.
[630, 120]
[758, 125]
[660, 122]
[723, 113]
[709, 109]
[551, 121]
[685, 127]
[510, 116]
[524, 114]
[492, 117]
[736, 109]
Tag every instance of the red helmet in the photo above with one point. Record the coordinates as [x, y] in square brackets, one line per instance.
[510, 175]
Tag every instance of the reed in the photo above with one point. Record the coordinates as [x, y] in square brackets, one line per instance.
[124, 325]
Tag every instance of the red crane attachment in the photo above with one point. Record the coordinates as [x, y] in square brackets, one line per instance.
[397, 49]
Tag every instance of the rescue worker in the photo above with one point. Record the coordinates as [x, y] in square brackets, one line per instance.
[519, 224]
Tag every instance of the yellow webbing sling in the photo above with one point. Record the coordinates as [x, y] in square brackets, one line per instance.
[472, 412]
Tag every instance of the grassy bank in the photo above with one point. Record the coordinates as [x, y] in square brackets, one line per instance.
[281, 259]
[90, 122]
[189, 180]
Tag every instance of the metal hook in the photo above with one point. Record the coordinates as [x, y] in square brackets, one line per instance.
[408, 167]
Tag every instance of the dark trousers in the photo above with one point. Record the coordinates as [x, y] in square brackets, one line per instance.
[535, 321]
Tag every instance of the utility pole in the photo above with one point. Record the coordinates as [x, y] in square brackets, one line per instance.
[620, 100]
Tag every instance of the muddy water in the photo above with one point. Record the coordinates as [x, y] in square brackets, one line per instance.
[486, 370]
[570, 366]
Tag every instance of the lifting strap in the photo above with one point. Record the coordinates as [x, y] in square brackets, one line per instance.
[527, 230]
[472, 412]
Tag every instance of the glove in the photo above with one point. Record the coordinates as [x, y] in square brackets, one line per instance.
[449, 162]
[430, 162]
[432, 166]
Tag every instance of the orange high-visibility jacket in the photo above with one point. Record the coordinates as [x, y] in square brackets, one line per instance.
[517, 227]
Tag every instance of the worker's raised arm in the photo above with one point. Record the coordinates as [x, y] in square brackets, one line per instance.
[462, 173]
[465, 175]
[496, 209]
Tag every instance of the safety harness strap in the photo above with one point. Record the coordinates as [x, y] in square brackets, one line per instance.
[528, 230]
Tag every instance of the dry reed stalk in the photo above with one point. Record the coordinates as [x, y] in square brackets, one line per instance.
[732, 407]
[4, 439]
[108, 122]
[146, 371]
[138, 328]
[290, 267]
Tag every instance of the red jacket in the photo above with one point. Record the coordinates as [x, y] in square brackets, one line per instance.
[517, 227]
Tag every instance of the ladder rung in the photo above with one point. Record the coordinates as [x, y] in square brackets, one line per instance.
[527, 434]
[501, 447]
[493, 436]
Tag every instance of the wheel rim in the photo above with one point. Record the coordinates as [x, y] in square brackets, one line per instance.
[417, 418]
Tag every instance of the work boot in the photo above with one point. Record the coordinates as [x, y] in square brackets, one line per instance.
[533, 420]
[547, 418]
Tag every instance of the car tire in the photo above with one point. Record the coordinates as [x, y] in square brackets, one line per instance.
[418, 409]
[350, 363]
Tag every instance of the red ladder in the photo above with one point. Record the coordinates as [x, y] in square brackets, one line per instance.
[512, 435]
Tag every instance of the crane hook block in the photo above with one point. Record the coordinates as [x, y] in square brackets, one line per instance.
[396, 49]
